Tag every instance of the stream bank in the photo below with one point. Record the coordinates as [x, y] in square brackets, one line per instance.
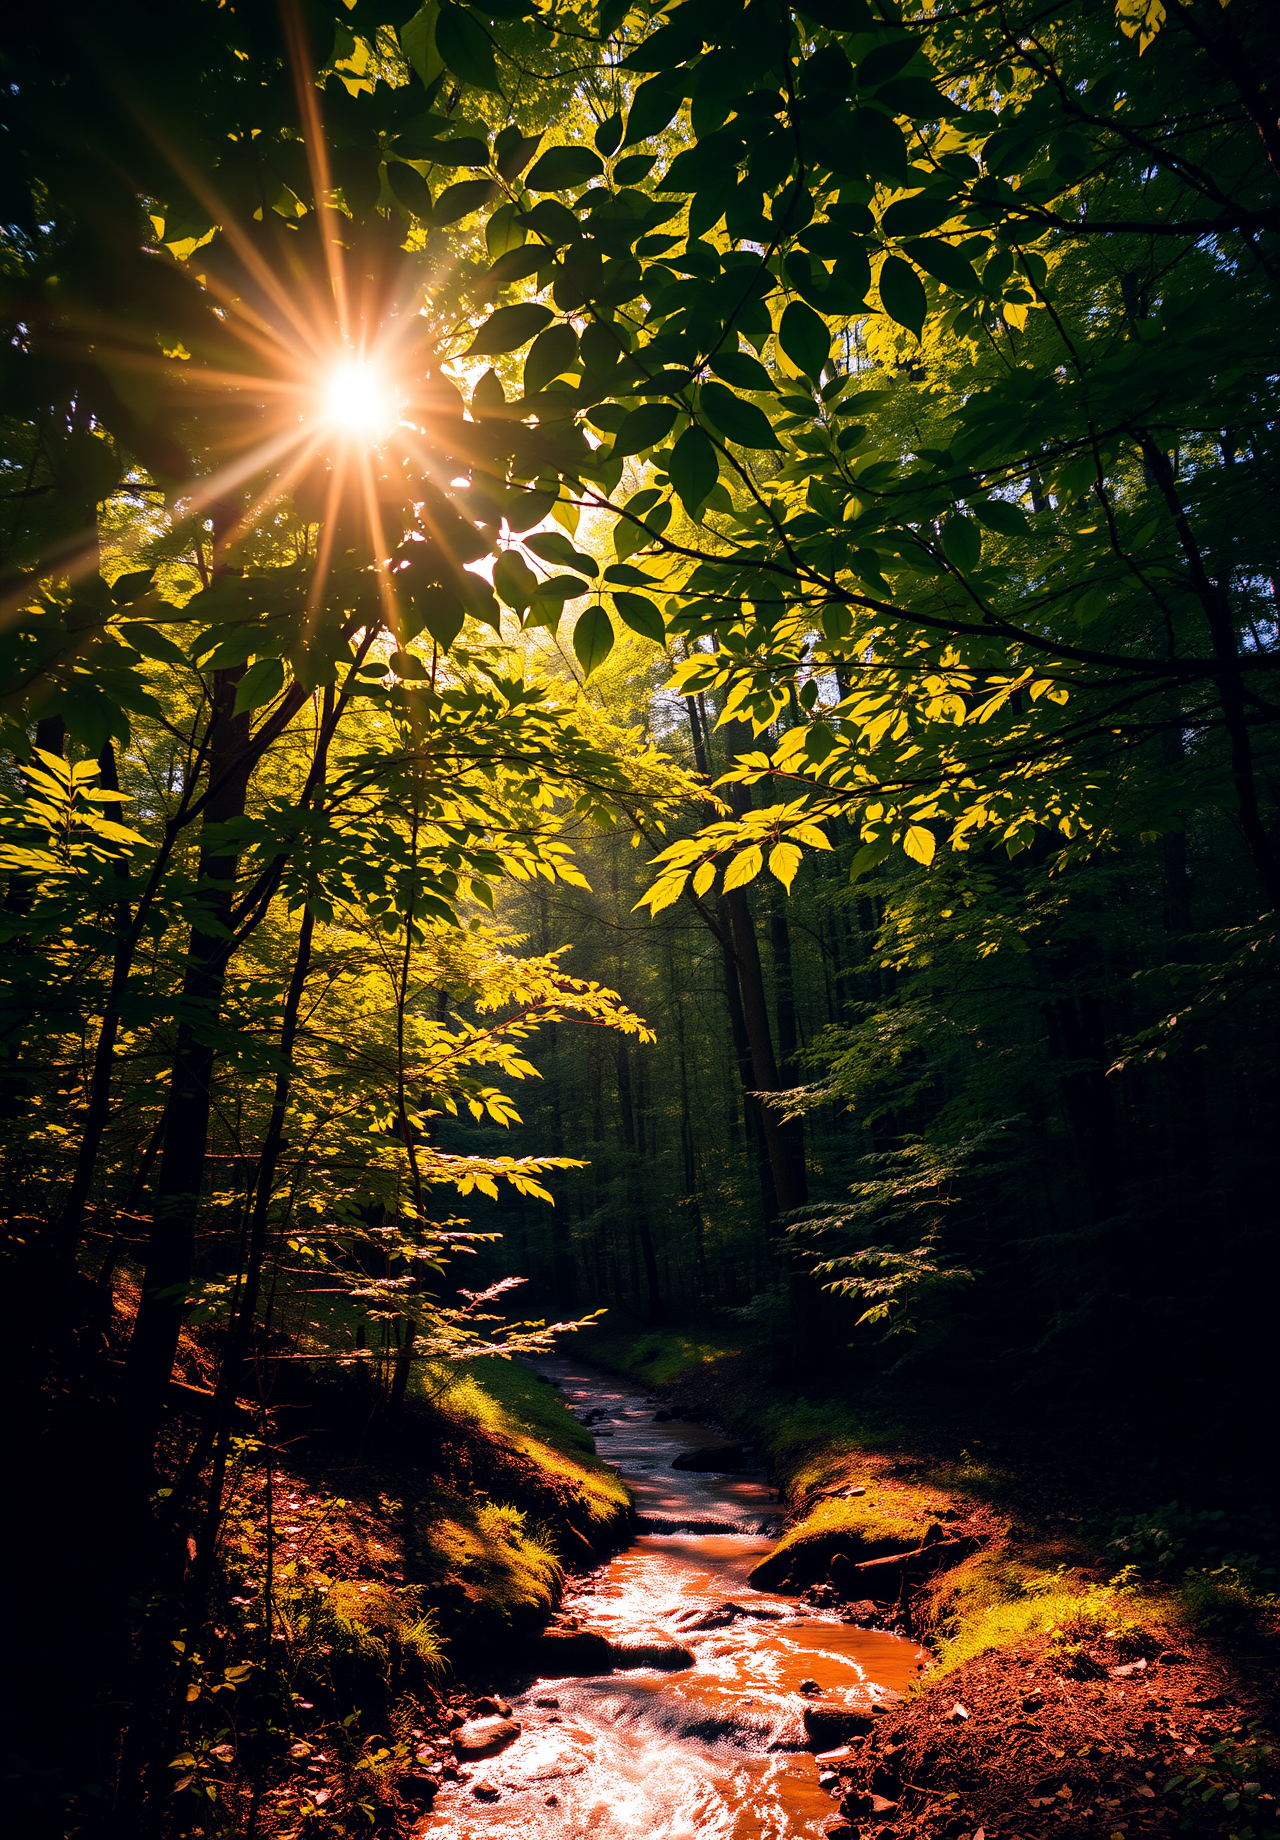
[1065, 1693]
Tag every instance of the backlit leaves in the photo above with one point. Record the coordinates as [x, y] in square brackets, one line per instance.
[592, 639]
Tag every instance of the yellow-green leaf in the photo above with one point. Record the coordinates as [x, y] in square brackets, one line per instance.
[919, 843]
[744, 868]
[784, 860]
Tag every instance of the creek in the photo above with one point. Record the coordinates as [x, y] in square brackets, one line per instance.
[718, 1749]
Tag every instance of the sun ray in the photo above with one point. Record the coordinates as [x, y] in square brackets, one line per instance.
[301, 68]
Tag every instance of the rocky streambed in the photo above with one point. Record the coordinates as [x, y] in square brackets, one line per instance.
[669, 1698]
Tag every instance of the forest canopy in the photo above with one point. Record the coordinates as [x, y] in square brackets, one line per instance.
[748, 530]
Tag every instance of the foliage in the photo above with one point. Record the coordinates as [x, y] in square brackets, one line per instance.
[417, 422]
[906, 1196]
[1234, 1781]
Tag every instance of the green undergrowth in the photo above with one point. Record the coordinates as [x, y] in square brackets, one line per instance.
[994, 1600]
[878, 1522]
[661, 1357]
[504, 1565]
[506, 1401]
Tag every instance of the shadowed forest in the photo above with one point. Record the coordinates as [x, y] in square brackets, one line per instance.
[638, 718]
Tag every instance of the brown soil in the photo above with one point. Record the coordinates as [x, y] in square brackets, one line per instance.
[1077, 1750]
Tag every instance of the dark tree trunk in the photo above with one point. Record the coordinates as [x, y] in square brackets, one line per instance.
[171, 1252]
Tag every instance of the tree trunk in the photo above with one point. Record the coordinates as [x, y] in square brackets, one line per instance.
[171, 1252]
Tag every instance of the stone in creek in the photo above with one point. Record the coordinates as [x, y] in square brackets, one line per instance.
[557, 1653]
[485, 1792]
[485, 1737]
[862, 1805]
[417, 1787]
[831, 1725]
[491, 1708]
[656, 1651]
[662, 1418]
[838, 1828]
[721, 1616]
[718, 1458]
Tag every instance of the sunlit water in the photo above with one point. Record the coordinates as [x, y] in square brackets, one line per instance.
[716, 1750]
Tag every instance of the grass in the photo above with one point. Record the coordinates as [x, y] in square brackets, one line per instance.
[994, 1601]
[505, 1567]
[506, 1400]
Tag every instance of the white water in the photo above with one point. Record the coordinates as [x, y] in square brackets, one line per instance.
[717, 1751]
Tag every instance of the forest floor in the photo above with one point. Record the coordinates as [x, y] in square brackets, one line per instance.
[1072, 1693]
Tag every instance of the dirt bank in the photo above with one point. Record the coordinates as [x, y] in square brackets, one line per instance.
[1069, 1693]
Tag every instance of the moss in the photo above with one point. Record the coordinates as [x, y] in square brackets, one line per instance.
[881, 1521]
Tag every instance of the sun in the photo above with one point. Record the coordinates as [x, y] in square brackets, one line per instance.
[359, 400]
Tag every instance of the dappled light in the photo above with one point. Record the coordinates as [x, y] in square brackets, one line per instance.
[640, 852]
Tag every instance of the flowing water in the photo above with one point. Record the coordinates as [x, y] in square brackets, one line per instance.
[718, 1750]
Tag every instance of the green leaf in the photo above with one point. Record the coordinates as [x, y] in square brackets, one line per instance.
[913, 216]
[608, 136]
[466, 48]
[592, 638]
[409, 188]
[885, 61]
[962, 543]
[841, 15]
[805, 338]
[999, 515]
[152, 644]
[641, 616]
[552, 352]
[918, 98]
[868, 143]
[261, 683]
[514, 581]
[920, 843]
[509, 328]
[673, 44]
[945, 263]
[694, 468]
[562, 588]
[642, 429]
[734, 419]
[653, 108]
[458, 150]
[460, 200]
[131, 587]
[513, 150]
[634, 168]
[902, 294]
[743, 372]
[870, 856]
[554, 546]
[562, 167]
[441, 614]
